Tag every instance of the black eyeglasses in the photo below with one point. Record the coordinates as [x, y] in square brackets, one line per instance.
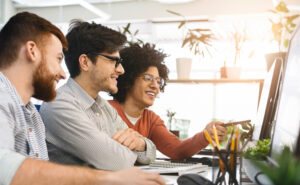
[117, 59]
[150, 78]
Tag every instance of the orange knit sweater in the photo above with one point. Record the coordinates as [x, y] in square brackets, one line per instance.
[152, 126]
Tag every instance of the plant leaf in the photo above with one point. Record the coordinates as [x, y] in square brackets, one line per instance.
[174, 13]
[181, 24]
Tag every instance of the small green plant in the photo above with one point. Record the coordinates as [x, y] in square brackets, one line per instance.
[283, 25]
[198, 40]
[131, 35]
[287, 172]
[260, 151]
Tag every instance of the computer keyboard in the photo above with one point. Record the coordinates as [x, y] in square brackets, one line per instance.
[194, 160]
[168, 167]
[169, 164]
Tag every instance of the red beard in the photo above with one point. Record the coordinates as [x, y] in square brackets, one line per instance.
[43, 83]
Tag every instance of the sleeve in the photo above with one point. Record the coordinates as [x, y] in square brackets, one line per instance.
[7, 138]
[149, 155]
[9, 160]
[9, 163]
[69, 127]
[171, 145]
[142, 157]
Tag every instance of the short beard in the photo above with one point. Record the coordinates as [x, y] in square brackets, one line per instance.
[43, 83]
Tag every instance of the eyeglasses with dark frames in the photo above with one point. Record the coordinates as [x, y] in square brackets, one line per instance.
[150, 78]
[118, 60]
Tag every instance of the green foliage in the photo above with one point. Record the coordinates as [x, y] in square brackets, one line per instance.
[260, 151]
[283, 26]
[287, 172]
[198, 40]
[131, 35]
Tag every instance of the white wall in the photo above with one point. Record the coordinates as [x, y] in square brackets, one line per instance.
[150, 9]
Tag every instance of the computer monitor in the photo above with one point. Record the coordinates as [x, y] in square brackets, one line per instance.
[287, 122]
[268, 101]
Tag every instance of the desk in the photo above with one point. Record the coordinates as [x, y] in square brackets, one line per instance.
[172, 179]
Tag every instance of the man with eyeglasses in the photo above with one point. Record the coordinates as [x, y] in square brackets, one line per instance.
[82, 128]
[145, 77]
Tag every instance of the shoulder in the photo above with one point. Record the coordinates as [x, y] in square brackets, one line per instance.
[7, 102]
[109, 106]
[114, 103]
[64, 100]
[154, 118]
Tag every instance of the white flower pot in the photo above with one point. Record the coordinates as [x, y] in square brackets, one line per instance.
[184, 66]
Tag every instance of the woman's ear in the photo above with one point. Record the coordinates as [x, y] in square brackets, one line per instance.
[84, 62]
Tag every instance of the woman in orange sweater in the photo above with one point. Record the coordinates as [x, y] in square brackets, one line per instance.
[145, 76]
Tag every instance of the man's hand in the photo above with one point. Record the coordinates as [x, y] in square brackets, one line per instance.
[221, 130]
[135, 176]
[130, 138]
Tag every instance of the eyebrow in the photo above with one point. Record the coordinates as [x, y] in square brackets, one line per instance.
[151, 75]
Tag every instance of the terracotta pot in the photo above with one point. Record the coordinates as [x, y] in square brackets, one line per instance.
[233, 72]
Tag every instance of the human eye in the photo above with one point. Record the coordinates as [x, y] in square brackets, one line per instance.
[148, 77]
[158, 80]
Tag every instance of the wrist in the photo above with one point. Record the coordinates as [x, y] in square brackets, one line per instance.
[105, 177]
[143, 145]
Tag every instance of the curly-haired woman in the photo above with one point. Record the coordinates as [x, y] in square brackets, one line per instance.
[145, 76]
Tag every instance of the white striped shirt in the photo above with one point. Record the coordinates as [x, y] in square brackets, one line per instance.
[22, 130]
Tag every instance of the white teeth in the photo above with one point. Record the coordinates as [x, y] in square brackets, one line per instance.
[151, 93]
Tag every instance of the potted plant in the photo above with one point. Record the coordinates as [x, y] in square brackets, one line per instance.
[198, 40]
[287, 172]
[257, 153]
[239, 38]
[282, 28]
[130, 35]
[171, 115]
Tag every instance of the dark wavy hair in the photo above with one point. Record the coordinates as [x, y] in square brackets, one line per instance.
[137, 59]
[90, 39]
[24, 27]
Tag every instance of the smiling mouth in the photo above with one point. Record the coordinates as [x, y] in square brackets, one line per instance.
[150, 93]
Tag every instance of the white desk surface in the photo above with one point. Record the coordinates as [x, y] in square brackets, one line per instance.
[172, 179]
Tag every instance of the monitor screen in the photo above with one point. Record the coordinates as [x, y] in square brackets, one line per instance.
[268, 100]
[287, 122]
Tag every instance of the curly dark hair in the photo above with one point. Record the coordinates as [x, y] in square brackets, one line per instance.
[90, 39]
[137, 59]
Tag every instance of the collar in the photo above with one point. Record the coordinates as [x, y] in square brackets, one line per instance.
[81, 95]
[11, 89]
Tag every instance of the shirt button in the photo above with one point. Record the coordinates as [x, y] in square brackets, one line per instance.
[30, 129]
[36, 154]
[97, 114]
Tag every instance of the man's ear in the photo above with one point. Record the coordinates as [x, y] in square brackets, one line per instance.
[84, 62]
[32, 52]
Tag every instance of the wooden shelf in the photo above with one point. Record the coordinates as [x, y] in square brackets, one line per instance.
[214, 81]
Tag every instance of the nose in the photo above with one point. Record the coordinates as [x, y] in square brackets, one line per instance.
[154, 84]
[62, 73]
[120, 70]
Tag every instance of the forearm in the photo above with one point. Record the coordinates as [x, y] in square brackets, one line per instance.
[35, 172]
[188, 147]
